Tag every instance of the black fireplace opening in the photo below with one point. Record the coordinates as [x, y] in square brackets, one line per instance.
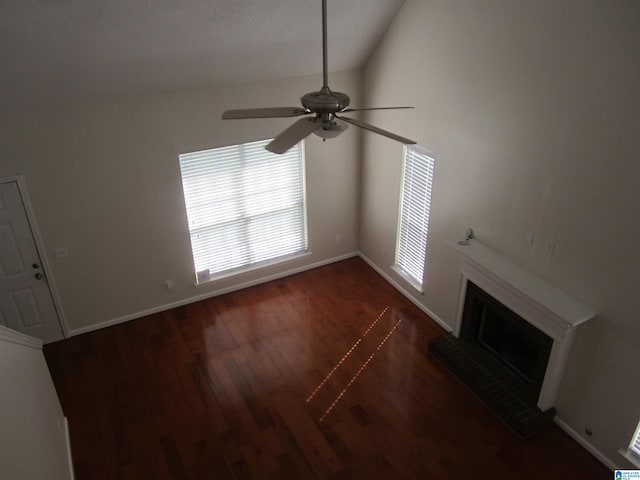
[516, 343]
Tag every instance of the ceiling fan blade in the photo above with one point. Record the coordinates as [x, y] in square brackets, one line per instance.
[372, 108]
[292, 135]
[380, 131]
[263, 113]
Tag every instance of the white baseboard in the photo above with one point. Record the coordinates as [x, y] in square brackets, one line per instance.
[606, 461]
[9, 335]
[210, 294]
[403, 291]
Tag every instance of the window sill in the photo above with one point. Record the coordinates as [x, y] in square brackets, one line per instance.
[632, 457]
[410, 280]
[251, 268]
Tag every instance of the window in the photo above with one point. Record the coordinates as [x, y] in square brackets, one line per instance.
[632, 452]
[415, 203]
[635, 444]
[634, 448]
[245, 205]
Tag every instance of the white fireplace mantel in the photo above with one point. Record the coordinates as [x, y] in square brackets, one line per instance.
[539, 303]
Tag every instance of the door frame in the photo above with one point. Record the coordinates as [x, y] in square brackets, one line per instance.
[40, 248]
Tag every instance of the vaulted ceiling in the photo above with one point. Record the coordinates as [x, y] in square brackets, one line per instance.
[54, 52]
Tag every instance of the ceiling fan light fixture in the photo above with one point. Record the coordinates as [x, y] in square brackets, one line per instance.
[331, 129]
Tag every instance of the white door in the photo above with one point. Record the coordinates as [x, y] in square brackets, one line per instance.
[26, 304]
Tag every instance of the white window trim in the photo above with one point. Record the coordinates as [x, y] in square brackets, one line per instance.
[252, 267]
[408, 278]
[414, 282]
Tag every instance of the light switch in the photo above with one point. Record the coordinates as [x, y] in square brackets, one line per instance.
[549, 248]
[529, 236]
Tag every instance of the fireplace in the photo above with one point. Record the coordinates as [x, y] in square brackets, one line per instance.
[517, 344]
[512, 337]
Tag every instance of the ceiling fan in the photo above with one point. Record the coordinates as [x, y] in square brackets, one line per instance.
[326, 105]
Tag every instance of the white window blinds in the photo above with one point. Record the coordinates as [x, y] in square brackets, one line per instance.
[415, 204]
[245, 205]
[635, 443]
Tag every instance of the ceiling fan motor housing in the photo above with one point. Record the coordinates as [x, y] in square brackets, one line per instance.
[325, 102]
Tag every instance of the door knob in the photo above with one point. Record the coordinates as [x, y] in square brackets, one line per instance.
[39, 276]
[35, 265]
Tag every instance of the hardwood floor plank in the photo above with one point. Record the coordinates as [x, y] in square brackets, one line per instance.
[234, 387]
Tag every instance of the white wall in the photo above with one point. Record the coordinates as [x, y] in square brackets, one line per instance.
[104, 181]
[33, 443]
[532, 112]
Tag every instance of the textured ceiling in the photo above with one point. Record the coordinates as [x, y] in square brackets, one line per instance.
[54, 52]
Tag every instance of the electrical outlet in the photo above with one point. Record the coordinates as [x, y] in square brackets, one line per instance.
[203, 276]
[60, 252]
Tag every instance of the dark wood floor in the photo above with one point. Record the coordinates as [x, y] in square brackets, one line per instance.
[324, 374]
